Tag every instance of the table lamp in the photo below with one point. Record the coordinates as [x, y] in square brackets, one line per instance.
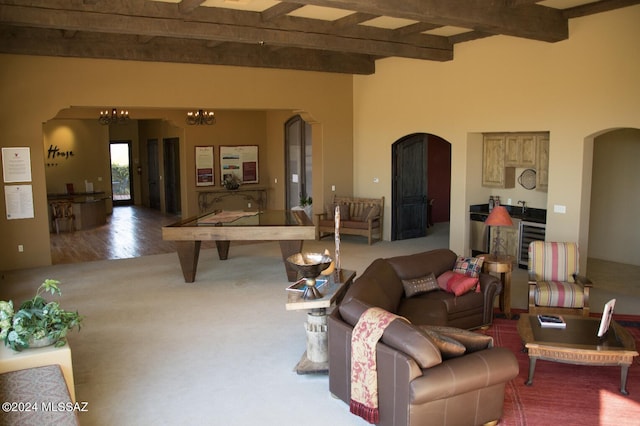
[498, 217]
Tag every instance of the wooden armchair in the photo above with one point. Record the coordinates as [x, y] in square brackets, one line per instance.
[554, 284]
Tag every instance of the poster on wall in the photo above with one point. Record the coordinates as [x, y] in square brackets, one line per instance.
[19, 201]
[204, 166]
[16, 165]
[240, 161]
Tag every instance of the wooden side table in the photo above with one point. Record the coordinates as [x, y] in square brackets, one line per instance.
[316, 357]
[502, 265]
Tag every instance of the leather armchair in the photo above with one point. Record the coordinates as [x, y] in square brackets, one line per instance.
[415, 386]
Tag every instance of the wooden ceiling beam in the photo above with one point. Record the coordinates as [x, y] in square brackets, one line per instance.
[38, 41]
[495, 17]
[598, 7]
[278, 10]
[117, 23]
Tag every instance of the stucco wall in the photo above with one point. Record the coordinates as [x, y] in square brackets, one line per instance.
[574, 89]
[34, 89]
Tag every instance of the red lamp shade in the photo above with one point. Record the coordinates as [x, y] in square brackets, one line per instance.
[499, 216]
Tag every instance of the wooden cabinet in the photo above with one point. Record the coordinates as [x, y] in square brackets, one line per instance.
[494, 172]
[503, 152]
[542, 166]
[520, 150]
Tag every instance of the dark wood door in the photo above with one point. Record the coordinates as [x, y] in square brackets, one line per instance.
[154, 174]
[172, 175]
[410, 188]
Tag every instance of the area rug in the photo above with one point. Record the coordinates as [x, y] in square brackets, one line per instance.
[565, 394]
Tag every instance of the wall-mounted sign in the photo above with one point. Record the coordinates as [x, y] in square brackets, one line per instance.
[19, 201]
[16, 165]
[240, 161]
[204, 166]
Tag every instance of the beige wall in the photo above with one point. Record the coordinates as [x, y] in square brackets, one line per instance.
[33, 90]
[614, 233]
[573, 89]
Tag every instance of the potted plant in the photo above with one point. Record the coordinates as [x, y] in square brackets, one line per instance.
[231, 181]
[37, 322]
[307, 205]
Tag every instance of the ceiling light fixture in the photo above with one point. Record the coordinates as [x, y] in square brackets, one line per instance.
[200, 118]
[113, 117]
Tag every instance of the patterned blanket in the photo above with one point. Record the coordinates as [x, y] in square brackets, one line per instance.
[364, 374]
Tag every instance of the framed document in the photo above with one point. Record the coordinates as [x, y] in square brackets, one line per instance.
[16, 165]
[204, 166]
[240, 161]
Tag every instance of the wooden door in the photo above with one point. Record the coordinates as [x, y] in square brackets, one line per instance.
[409, 219]
[154, 174]
[172, 175]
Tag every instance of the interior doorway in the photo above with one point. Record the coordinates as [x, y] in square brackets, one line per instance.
[121, 172]
[421, 170]
[298, 158]
[172, 196]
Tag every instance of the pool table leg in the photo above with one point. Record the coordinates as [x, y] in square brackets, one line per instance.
[188, 253]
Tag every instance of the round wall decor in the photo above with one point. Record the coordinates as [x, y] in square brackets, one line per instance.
[527, 179]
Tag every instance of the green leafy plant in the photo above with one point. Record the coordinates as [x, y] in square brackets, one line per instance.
[37, 319]
[306, 201]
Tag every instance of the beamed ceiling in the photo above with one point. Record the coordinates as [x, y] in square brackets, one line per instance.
[341, 36]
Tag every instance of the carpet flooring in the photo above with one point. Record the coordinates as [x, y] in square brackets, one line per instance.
[565, 394]
[221, 351]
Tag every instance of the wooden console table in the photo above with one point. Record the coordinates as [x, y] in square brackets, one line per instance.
[245, 197]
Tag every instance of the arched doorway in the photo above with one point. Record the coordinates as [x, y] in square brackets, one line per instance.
[613, 233]
[421, 170]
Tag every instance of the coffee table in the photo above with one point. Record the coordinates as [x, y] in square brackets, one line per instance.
[578, 343]
[289, 227]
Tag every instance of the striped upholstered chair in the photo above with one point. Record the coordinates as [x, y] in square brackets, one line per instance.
[554, 284]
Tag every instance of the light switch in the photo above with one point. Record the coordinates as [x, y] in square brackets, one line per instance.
[333, 188]
[558, 208]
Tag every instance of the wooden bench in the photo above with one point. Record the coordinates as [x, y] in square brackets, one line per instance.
[358, 216]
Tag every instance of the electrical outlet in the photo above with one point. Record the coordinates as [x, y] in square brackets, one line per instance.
[20, 248]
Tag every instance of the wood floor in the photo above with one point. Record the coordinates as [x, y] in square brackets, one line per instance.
[131, 231]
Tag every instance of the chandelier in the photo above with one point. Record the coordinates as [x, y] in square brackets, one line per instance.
[113, 117]
[200, 118]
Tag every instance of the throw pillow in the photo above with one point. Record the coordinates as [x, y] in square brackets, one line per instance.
[344, 211]
[444, 278]
[416, 286]
[470, 266]
[460, 284]
[449, 348]
[374, 211]
[472, 341]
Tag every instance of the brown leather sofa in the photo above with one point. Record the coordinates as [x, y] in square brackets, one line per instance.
[416, 386]
[381, 285]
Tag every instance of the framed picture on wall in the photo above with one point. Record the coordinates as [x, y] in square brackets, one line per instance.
[240, 161]
[204, 166]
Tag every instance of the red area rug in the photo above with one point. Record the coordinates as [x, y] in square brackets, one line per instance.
[565, 394]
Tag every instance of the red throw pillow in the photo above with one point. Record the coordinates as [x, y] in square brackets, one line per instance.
[444, 278]
[460, 284]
